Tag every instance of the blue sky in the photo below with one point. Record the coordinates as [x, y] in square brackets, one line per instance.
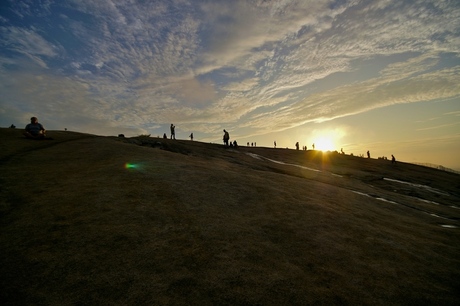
[370, 75]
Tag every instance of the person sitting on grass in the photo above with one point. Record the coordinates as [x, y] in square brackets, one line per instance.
[35, 130]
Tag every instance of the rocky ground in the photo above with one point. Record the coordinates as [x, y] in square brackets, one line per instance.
[87, 220]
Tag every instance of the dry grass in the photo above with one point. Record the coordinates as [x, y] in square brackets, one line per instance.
[198, 224]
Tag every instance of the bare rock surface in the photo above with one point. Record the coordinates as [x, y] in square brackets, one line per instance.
[91, 220]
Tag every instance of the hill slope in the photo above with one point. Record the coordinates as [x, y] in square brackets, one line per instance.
[103, 220]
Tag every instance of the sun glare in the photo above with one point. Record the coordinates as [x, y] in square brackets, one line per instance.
[324, 144]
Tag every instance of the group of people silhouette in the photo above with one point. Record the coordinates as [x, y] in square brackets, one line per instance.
[172, 129]
[225, 138]
[35, 130]
[297, 146]
[227, 142]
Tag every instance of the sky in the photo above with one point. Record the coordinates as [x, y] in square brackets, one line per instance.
[377, 75]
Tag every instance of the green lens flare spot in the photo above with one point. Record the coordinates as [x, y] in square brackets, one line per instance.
[130, 166]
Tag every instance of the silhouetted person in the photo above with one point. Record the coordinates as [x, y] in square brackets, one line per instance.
[12, 126]
[393, 159]
[313, 146]
[34, 130]
[226, 137]
[164, 136]
[191, 137]
[235, 144]
[274, 143]
[297, 145]
[341, 151]
[248, 143]
[368, 154]
[173, 131]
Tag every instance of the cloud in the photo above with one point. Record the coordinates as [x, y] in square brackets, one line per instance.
[28, 43]
[391, 88]
[244, 85]
[442, 126]
[456, 113]
[263, 65]
[135, 41]
[196, 93]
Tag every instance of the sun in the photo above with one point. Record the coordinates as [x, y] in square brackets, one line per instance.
[326, 139]
[324, 144]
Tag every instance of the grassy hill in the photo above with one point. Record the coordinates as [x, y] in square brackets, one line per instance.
[90, 220]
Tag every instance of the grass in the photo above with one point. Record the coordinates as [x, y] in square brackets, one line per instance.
[192, 223]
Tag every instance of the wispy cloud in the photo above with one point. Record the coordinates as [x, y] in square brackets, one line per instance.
[453, 113]
[439, 126]
[264, 65]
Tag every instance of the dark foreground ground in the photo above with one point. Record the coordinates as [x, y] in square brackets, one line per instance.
[88, 220]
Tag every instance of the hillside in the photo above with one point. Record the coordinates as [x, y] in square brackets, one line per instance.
[91, 220]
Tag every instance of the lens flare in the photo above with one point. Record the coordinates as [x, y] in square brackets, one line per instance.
[130, 166]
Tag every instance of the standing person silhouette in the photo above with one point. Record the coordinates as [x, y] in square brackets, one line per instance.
[34, 130]
[226, 137]
[173, 131]
[368, 154]
[191, 137]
